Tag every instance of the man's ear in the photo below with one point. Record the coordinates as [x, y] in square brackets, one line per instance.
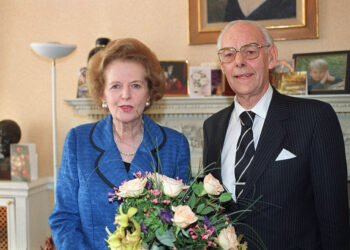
[273, 55]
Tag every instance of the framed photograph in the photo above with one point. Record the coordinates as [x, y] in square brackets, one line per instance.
[327, 72]
[286, 20]
[217, 82]
[200, 81]
[176, 73]
[24, 162]
[289, 83]
[284, 65]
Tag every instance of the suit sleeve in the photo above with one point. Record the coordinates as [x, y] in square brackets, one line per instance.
[205, 144]
[183, 159]
[329, 180]
[65, 221]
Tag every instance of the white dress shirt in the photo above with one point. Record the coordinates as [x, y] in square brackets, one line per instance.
[228, 155]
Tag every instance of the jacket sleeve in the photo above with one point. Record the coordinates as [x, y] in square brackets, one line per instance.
[329, 180]
[183, 160]
[65, 221]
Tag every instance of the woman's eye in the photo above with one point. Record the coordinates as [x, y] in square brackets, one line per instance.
[136, 85]
[115, 86]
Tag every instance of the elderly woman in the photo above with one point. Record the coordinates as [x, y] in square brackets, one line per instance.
[125, 78]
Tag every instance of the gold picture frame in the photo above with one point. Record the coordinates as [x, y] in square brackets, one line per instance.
[176, 74]
[304, 26]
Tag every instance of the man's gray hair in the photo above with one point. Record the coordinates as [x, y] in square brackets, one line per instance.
[267, 36]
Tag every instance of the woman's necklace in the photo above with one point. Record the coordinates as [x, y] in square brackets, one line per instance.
[128, 154]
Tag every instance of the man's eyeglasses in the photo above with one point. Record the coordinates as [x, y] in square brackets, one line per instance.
[248, 52]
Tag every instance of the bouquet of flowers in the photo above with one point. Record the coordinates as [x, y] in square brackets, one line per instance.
[159, 212]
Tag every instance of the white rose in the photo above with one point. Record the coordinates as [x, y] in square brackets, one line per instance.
[183, 216]
[212, 185]
[228, 238]
[132, 188]
[172, 187]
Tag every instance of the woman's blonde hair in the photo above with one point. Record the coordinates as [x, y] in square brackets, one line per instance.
[130, 50]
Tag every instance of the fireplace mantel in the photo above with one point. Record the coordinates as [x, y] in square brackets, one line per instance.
[187, 114]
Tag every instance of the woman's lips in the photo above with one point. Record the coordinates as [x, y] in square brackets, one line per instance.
[126, 108]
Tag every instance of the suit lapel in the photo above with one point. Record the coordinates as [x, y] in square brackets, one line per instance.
[219, 134]
[270, 142]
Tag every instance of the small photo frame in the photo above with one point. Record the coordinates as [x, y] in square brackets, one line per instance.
[176, 74]
[217, 82]
[200, 81]
[284, 65]
[83, 90]
[289, 83]
[24, 162]
[327, 72]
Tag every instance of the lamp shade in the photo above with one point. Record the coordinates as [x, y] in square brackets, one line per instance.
[52, 50]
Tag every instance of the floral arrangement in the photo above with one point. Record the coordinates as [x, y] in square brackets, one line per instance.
[159, 212]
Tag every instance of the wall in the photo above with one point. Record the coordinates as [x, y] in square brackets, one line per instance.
[25, 78]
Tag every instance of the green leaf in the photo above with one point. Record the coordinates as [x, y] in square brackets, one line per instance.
[192, 200]
[167, 238]
[206, 210]
[198, 188]
[200, 208]
[225, 197]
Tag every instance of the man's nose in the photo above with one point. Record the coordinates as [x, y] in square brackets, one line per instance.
[239, 59]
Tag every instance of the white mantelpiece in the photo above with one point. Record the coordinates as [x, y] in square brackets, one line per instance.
[187, 115]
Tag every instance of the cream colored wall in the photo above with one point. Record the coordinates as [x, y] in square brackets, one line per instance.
[25, 78]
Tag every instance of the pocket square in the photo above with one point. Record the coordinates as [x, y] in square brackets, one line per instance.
[285, 155]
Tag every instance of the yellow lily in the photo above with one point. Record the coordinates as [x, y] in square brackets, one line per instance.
[118, 240]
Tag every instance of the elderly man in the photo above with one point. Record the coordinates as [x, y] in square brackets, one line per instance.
[287, 153]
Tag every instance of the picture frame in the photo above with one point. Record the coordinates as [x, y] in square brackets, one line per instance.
[200, 81]
[303, 26]
[217, 82]
[327, 72]
[289, 83]
[176, 74]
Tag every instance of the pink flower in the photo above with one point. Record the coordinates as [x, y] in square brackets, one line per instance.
[154, 200]
[194, 237]
[166, 202]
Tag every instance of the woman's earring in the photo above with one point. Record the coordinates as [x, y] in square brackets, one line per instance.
[104, 105]
[148, 104]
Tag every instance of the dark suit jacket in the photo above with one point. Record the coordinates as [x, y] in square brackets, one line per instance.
[304, 202]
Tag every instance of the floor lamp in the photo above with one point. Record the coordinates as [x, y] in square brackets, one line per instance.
[53, 51]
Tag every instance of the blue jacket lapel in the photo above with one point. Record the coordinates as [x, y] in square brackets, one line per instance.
[109, 164]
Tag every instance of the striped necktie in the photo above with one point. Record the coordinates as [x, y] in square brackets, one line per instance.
[245, 150]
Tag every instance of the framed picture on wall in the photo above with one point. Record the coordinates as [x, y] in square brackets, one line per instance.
[285, 20]
[327, 72]
[176, 74]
